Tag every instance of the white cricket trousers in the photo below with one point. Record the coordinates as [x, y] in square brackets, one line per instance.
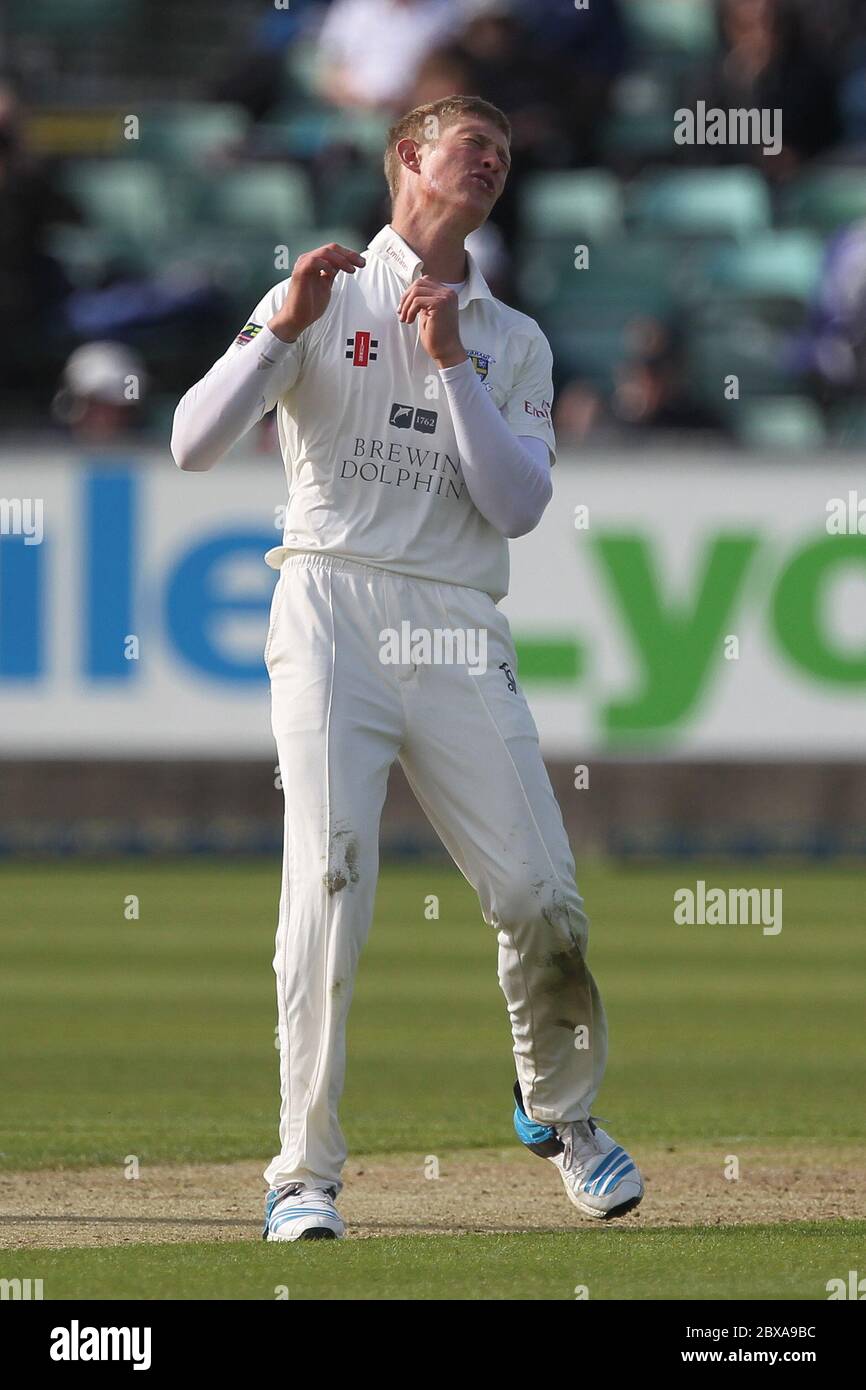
[469, 748]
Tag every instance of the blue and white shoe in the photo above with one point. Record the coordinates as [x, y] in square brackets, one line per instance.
[601, 1179]
[296, 1212]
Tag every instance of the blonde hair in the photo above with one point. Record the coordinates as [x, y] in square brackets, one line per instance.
[425, 123]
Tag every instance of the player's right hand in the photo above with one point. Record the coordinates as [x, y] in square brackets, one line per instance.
[310, 288]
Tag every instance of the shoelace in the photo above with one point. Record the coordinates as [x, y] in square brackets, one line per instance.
[297, 1189]
[579, 1142]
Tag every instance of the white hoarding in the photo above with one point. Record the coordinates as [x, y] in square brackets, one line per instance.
[708, 608]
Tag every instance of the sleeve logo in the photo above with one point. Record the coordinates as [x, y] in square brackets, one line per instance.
[538, 413]
[247, 333]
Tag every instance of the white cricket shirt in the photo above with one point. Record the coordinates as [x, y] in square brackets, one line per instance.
[364, 426]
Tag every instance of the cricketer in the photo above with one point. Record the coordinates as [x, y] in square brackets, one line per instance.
[414, 419]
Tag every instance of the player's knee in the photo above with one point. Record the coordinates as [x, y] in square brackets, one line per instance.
[527, 903]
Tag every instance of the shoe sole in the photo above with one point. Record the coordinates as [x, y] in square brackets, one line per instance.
[621, 1210]
[311, 1233]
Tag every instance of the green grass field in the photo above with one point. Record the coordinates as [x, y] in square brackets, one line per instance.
[154, 1037]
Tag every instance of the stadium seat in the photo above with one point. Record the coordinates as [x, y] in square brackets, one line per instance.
[579, 204]
[722, 342]
[242, 263]
[352, 193]
[589, 314]
[308, 131]
[852, 95]
[300, 76]
[621, 272]
[640, 124]
[125, 198]
[827, 199]
[593, 351]
[86, 253]
[783, 422]
[771, 265]
[264, 199]
[847, 426]
[77, 20]
[684, 26]
[717, 202]
[189, 132]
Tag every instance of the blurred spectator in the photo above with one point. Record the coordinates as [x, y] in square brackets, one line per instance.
[446, 72]
[371, 50]
[838, 27]
[254, 78]
[32, 284]
[532, 87]
[487, 247]
[650, 389]
[549, 66]
[593, 45]
[101, 392]
[766, 63]
[494, 59]
[833, 346]
[578, 413]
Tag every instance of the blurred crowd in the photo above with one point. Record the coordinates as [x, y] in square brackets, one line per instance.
[119, 285]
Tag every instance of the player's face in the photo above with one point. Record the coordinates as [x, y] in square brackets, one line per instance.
[467, 166]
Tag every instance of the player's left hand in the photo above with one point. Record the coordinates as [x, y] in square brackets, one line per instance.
[435, 307]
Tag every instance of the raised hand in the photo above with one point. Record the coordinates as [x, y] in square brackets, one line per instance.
[309, 293]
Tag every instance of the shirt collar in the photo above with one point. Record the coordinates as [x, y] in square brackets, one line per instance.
[407, 266]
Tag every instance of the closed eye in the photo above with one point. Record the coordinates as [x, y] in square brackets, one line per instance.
[483, 145]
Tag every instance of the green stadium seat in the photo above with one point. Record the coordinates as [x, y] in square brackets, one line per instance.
[640, 124]
[771, 265]
[717, 202]
[592, 352]
[189, 132]
[368, 131]
[826, 200]
[72, 19]
[847, 425]
[784, 423]
[268, 199]
[86, 252]
[126, 198]
[580, 204]
[852, 99]
[723, 343]
[685, 26]
[352, 193]
[589, 314]
[621, 273]
[299, 134]
[300, 77]
[242, 262]
[304, 133]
